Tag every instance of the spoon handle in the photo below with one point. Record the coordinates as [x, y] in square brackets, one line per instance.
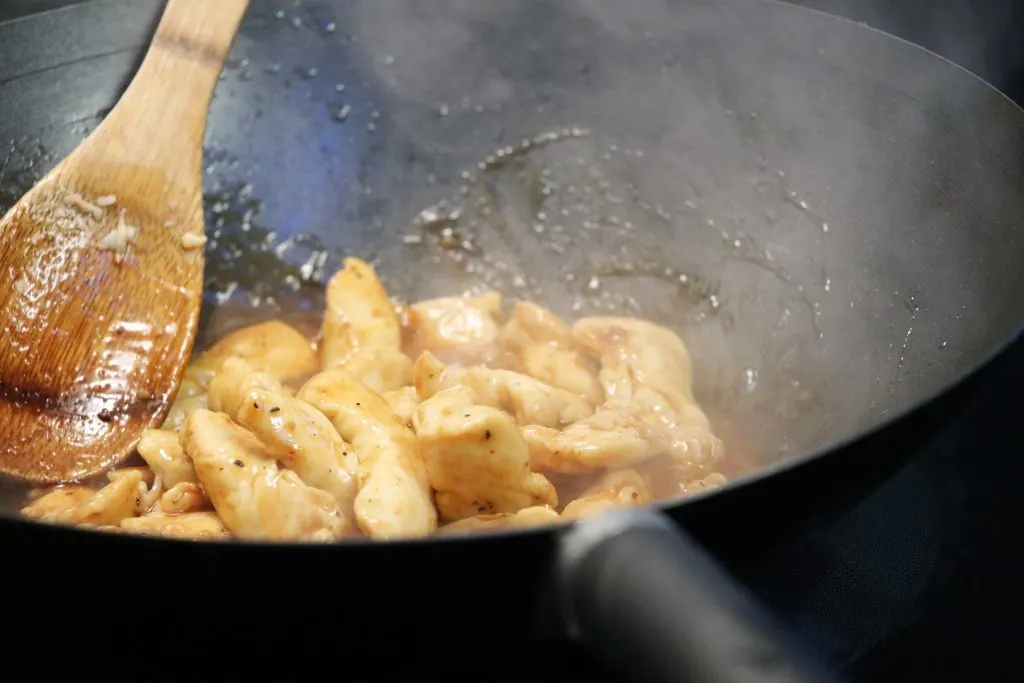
[161, 118]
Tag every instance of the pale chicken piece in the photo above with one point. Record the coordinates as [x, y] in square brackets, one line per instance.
[194, 381]
[541, 344]
[565, 369]
[622, 488]
[233, 381]
[114, 502]
[428, 375]
[304, 440]
[668, 477]
[196, 526]
[183, 497]
[538, 515]
[457, 328]
[404, 402]
[57, 504]
[358, 315]
[148, 487]
[394, 499]
[477, 460]
[182, 407]
[161, 449]
[610, 438]
[273, 347]
[380, 369]
[145, 474]
[529, 324]
[636, 353]
[252, 496]
[646, 371]
[530, 400]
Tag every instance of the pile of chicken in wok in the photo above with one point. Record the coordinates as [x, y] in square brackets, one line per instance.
[402, 421]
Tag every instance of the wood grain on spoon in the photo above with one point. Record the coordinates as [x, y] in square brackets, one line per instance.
[101, 264]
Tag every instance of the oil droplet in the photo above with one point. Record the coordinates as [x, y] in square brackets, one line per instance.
[341, 113]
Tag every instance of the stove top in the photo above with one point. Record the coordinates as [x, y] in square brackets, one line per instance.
[919, 582]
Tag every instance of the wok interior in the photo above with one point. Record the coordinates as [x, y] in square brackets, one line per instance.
[828, 216]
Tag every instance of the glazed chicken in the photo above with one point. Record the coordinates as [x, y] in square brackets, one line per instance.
[401, 421]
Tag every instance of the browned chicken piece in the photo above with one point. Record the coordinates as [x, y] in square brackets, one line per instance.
[251, 494]
[57, 504]
[161, 449]
[233, 381]
[404, 402]
[361, 331]
[394, 499]
[196, 526]
[530, 400]
[477, 460]
[460, 329]
[293, 431]
[183, 497]
[539, 515]
[542, 346]
[273, 347]
[108, 506]
[622, 488]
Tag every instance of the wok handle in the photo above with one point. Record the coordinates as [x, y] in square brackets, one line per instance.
[646, 599]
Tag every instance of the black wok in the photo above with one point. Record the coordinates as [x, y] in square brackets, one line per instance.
[831, 216]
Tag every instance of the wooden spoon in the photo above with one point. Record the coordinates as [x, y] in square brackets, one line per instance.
[102, 265]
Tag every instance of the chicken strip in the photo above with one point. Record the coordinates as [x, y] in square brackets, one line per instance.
[304, 440]
[57, 505]
[476, 458]
[252, 496]
[542, 346]
[272, 347]
[236, 378]
[622, 488]
[161, 449]
[530, 400]
[118, 500]
[646, 373]
[538, 515]
[361, 331]
[195, 526]
[181, 498]
[612, 437]
[404, 402]
[636, 353]
[394, 499]
[460, 329]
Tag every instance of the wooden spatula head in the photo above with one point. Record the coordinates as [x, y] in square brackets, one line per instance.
[102, 265]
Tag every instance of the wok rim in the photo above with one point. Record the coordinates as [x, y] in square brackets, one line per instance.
[14, 520]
